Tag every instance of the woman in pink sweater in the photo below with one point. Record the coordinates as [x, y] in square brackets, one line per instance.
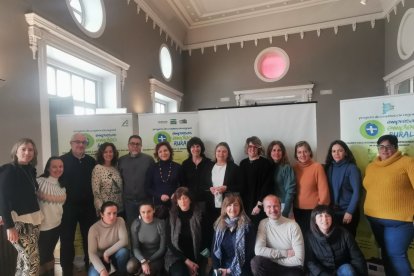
[311, 184]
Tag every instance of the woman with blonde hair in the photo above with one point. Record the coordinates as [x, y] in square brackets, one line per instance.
[311, 183]
[234, 238]
[19, 208]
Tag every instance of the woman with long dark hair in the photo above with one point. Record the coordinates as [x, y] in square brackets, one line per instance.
[283, 176]
[344, 181]
[106, 179]
[51, 196]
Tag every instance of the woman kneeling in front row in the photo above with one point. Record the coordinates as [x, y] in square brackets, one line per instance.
[148, 243]
[331, 249]
[107, 242]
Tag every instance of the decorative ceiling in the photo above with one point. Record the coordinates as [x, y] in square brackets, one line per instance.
[196, 24]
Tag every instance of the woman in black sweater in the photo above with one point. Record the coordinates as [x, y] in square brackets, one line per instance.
[183, 236]
[19, 208]
[331, 249]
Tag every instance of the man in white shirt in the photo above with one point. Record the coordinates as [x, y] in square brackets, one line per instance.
[279, 243]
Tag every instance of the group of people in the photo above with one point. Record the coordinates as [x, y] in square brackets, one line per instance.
[261, 217]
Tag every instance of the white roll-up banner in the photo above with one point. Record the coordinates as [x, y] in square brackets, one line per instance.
[288, 123]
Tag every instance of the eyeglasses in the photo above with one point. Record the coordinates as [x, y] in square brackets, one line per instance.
[78, 142]
[135, 144]
[385, 147]
[252, 147]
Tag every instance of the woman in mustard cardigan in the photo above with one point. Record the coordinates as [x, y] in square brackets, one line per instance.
[389, 204]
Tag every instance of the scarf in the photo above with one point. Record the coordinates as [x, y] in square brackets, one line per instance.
[239, 246]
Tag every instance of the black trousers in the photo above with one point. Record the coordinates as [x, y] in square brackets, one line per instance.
[47, 243]
[302, 217]
[262, 266]
[73, 214]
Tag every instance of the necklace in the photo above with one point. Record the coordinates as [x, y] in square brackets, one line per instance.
[169, 173]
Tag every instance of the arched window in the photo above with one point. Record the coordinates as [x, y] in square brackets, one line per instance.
[89, 15]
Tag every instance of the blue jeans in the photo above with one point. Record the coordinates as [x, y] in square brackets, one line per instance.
[119, 260]
[393, 237]
[346, 270]
[131, 210]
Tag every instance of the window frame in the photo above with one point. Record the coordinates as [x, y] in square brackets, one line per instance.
[395, 78]
[85, 76]
[166, 94]
[43, 33]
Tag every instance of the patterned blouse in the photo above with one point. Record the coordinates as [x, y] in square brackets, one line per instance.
[106, 186]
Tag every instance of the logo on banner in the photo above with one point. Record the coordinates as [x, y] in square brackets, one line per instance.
[371, 129]
[386, 107]
[162, 136]
[90, 139]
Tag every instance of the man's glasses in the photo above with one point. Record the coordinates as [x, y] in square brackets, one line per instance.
[78, 142]
[135, 144]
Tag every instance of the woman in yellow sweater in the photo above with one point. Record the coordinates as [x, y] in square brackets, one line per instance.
[389, 204]
[311, 184]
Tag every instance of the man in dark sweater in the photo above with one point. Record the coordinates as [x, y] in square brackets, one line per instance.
[133, 168]
[78, 207]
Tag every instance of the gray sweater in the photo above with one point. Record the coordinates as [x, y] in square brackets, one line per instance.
[133, 170]
[148, 239]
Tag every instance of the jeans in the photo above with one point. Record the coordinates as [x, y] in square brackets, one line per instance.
[119, 261]
[393, 237]
[346, 270]
[131, 210]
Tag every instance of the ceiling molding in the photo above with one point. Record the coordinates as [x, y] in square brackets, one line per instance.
[387, 7]
[286, 32]
[264, 10]
[159, 22]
